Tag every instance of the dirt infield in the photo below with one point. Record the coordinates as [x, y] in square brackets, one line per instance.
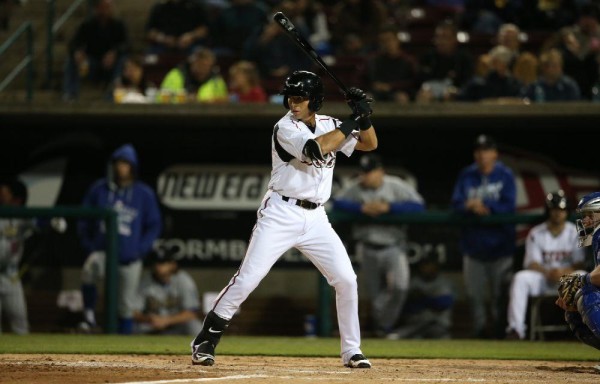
[67, 369]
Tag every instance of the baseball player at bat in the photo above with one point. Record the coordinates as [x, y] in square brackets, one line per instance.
[291, 214]
[579, 294]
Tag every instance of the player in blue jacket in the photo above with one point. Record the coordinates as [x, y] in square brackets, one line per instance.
[139, 225]
[486, 187]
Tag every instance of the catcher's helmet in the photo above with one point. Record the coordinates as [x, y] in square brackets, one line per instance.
[304, 83]
[588, 222]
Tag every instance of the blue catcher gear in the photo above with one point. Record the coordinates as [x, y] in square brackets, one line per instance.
[588, 222]
[580, 330]
[588, 305]
[306, 84]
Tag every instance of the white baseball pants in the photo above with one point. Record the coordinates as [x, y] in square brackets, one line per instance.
[280, 226]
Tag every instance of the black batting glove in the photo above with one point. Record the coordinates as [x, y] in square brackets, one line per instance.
[359, 102]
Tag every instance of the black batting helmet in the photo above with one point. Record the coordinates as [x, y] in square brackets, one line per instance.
[557, 200]
[304, 83]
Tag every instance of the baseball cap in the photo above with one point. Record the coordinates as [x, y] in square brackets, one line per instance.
[370, 161]
[161, 256]
[485, 142]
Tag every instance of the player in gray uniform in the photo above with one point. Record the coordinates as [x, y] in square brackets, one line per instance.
[168, 301]
[381, 247]
[292, 215]
[13, 233]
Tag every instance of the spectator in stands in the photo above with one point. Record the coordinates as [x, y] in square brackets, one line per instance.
[197, 78]
[508, 36]
[245, 83]
[139, 225]
[486, 16]
[486, 187]
[548, 15]
[553, 84]
[270, 48]
[525, 69]
[13, 234]
[445, 67]
[177, 26]
[168, 302]
[580, 47]
[427, 313]
[132, 86]
[498, 85]
[352, 45]
[551, 250]
[311, 21]
[234, 24]
[391, 71]
[97, 51]
[360, 17]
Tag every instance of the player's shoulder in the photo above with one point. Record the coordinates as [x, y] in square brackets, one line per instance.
[503, 168]
[288, 122]
[538, 229]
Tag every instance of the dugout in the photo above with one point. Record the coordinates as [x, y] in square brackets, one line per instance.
[231, 144]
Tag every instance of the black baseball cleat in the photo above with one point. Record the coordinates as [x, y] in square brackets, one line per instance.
[203, 353]
[358, 361]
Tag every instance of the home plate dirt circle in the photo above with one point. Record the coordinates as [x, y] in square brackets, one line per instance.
[164, 369]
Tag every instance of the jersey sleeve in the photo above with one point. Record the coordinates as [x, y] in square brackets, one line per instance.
[533, 253]
[292, 138]
[348, 145]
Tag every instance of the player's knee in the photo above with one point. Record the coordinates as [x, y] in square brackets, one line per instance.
[580, 330]
[588, 304]
[346, 283]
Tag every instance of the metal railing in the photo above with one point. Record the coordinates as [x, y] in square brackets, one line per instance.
[52, 27]
[110, 219]
[27, 62]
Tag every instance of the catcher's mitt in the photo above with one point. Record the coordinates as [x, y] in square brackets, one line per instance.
[567, 288]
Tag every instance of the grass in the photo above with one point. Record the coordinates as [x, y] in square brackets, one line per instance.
[300, 346]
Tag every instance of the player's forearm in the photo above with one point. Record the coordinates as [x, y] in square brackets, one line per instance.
[330, 141]
[368, 139]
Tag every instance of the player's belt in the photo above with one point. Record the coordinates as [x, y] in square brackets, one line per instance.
[302, 203]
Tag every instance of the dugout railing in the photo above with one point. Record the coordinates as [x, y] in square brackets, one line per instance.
[110, 219]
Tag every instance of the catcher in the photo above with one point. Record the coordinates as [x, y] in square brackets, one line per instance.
[579, 295]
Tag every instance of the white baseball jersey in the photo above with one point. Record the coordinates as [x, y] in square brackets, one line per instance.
[282, 224]
[551, 251]
[299, 177]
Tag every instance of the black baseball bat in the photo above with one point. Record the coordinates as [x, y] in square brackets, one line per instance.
[291, 31]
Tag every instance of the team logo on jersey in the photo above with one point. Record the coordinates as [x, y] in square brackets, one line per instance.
[328, 163]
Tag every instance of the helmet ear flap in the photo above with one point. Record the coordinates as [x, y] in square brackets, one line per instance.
[285, 102]
[315, 103]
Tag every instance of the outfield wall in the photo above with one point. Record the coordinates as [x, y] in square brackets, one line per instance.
[209, 166]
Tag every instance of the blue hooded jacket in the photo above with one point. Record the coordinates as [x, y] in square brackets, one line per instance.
[498, 192]
[138, 213]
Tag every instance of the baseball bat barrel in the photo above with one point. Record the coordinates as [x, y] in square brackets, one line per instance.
[290, 29]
